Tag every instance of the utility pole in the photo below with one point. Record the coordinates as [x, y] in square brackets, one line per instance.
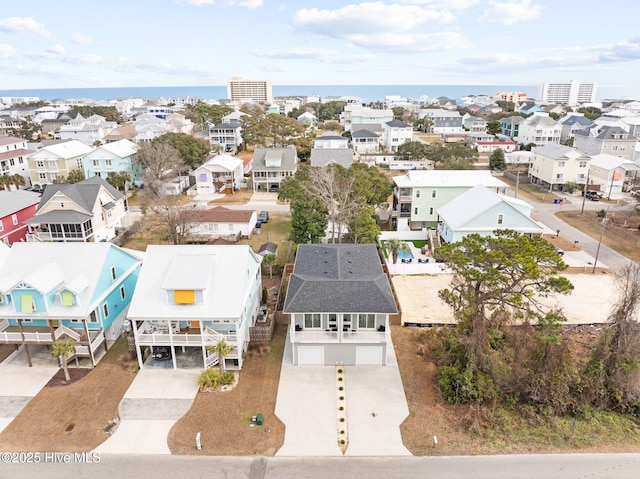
[604, 224]
[517, 183]
[584, 193]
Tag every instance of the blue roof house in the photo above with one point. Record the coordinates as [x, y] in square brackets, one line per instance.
[51, 292]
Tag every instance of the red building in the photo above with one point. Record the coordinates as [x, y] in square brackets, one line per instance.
[16, 207]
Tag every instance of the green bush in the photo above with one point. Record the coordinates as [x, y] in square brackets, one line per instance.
[210, 378]
[460, 386]
[228, 377]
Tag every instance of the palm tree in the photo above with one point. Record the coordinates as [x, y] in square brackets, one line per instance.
[395, 246]
[17, 180]
[217, 148]
[269, 260]
[63, 351]
[223, 350]
[4, 182]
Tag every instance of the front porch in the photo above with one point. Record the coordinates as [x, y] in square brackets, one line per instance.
[87, 341]
[150, 334]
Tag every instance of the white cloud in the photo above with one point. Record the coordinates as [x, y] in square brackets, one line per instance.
[443, 4]
[23, 26]
[320, 54]
[6, 51]
[508, 13]
[56, 49]
[246, 3]
[81, 39]
[198, 3]
[366, 18]
[412, 42]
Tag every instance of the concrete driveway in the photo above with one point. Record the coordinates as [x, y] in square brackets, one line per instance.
[376, 406]
[156, 399]
[20, 383]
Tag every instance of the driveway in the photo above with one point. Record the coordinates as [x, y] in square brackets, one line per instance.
[20, 383]
[376, 406]
[156, 399]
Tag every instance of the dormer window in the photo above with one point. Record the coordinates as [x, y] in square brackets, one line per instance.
[67, 298]
[184, 296]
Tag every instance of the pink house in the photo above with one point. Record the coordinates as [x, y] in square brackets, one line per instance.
[16, 207]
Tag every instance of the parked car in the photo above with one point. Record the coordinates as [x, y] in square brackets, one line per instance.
[162, 353]
[560, 251]
[263, 216]
[592, 195]
[258, 224]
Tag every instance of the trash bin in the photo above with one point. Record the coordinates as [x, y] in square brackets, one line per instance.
[259, 419]
[555, 201]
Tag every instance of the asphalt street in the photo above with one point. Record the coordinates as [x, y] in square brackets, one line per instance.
[569, 466]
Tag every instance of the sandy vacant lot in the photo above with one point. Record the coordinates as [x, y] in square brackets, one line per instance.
[590, 301]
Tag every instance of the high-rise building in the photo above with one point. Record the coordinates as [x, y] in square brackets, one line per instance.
[571, 93]
[239, 89]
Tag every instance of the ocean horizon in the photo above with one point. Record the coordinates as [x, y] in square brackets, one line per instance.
[368, 93]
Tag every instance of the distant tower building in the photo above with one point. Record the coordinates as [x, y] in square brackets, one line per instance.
[249, 90]
[572, 93]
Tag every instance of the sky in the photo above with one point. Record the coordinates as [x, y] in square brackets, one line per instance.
[82, 44]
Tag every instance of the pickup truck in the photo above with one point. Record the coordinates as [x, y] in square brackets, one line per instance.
[592, 195]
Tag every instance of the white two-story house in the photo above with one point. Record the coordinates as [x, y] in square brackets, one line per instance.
[339, 300]
[396, 133]
[189, 297]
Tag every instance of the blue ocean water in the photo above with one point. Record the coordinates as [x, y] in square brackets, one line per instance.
[368, 93]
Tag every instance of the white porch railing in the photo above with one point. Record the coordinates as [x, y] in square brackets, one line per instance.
[317, 336]
[62, 329]
[164, 338]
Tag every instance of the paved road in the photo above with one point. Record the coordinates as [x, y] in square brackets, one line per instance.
[570, 466]
[544, 212]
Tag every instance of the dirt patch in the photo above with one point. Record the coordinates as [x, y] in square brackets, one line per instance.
[224, 418]
[75, 375]
[88, 404]
[6, 350]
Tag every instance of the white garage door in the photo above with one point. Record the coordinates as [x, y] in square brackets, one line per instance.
[371, 355]
[311, 355]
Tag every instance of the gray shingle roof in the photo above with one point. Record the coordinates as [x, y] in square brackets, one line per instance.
[14, 201]
[326, 156]
[339, 278]
[397, 124]
[364, 134]
[59, 217]
[84, 193]
[288, 157]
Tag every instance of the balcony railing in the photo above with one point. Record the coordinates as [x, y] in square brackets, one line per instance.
[320, 336]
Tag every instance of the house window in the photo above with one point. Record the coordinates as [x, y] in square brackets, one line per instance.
[230, 226]
[184, 296]
[105, 310]
[42, 176]
[67, 298]
[312, 320]
[561, 164]
[95, 162]
[14, 219]
[113, 273]
[415, 210]
[93, 318]
[39, 164]
[367, 321]
[500, 219]
[107, 162]
[582, 164]
[433, 193]
[123, 293]
[431, 210]
[1, 226]
[417, 193]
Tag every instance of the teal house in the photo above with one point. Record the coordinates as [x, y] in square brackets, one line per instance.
[51, 292]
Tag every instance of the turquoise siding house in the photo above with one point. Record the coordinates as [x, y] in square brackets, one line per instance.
[51, 292]
[119, 156]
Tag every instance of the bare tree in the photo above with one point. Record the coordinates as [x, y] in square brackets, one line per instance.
[336, 189]
[161, 162]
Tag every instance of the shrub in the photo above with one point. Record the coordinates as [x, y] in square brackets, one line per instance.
[341, 398]
[228, 377]
[340, 388]
[601, 214]
[210, 379]
[340, 371]
[461, 386]
[341, 419]
[265, 295]
[341, 408]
